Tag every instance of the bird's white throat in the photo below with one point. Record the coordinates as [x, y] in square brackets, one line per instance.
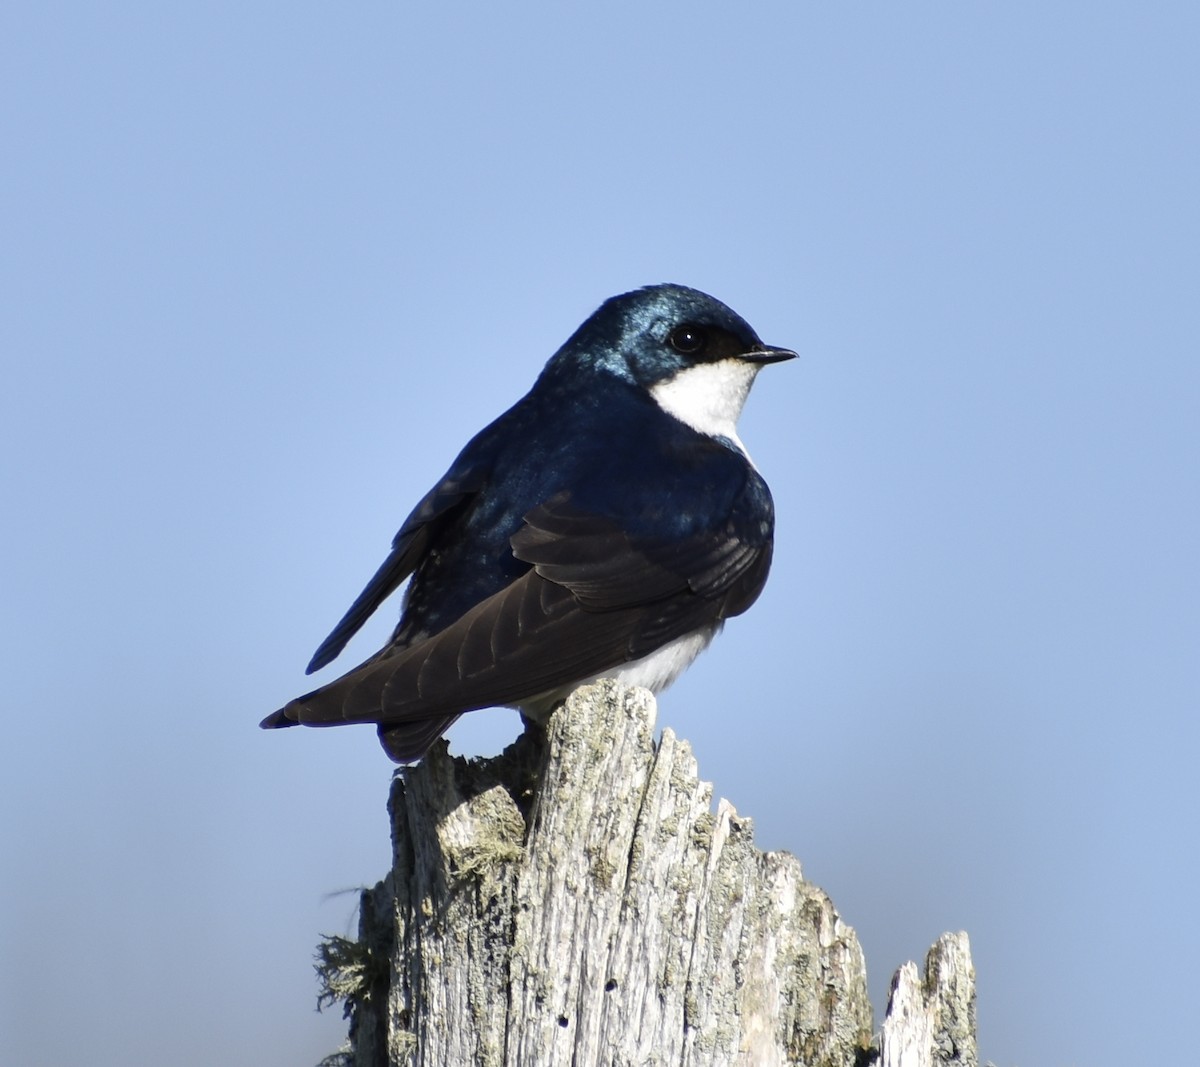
[709, 397]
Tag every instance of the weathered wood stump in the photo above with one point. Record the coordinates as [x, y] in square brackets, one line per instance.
[931, 1020]
[576, 901]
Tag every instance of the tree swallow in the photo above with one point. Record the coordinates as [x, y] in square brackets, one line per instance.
[604, 526]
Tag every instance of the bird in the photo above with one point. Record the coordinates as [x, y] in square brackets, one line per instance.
[605, 526]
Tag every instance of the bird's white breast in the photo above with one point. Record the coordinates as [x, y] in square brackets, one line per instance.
[708, 397]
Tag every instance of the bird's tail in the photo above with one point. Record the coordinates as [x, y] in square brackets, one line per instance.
[409, 741]
[403, 742]
[277, 720]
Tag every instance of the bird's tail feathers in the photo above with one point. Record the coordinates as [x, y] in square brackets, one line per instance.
[277, 720]
[411, 740]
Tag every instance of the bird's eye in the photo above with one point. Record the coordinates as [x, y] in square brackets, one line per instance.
[687, 339]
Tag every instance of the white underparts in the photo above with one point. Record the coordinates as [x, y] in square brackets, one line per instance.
[654, 672]
[709, 397]
[659, 669]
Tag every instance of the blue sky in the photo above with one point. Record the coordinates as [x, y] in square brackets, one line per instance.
[266, 267]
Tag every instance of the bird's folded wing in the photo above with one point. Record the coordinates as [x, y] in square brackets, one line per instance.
[439, 506]
[593, 599]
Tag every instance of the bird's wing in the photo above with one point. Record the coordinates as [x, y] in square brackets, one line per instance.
[594, 598]
[439, 506]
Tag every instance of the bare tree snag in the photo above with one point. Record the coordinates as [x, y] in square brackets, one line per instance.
[931, 1021]
[576, 901]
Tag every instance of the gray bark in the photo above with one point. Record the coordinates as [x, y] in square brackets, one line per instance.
[577, 901]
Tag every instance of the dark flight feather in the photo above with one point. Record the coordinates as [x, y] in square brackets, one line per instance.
[411, 542]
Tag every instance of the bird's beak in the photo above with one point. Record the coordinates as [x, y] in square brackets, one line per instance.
[768, 355]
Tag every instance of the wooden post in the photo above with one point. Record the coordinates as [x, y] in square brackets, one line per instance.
[576, 901]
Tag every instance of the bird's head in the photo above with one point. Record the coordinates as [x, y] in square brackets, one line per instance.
[694, 355]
